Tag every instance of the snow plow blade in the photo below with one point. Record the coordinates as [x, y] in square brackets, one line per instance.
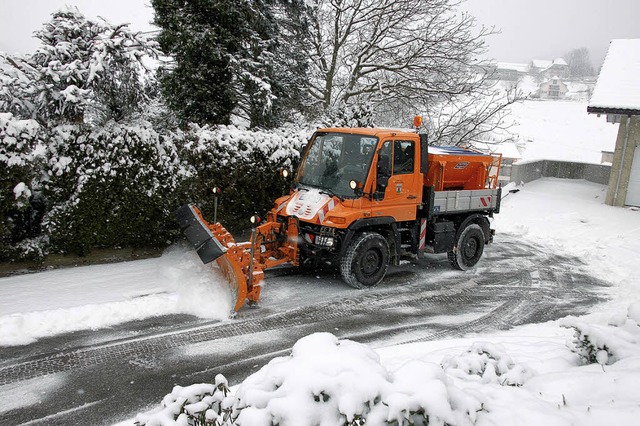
[214, 242]
[199, 234]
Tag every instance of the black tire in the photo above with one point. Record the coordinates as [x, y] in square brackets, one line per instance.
[468, 249]
[366, 260]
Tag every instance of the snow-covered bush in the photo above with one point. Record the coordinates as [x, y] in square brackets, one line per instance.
[606, 344]
[487, 363]
[196, 405]
[326, 381]
[245, 164]
[21, 206]
[110, 186]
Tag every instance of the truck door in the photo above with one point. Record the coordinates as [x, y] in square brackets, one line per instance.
[401, 195]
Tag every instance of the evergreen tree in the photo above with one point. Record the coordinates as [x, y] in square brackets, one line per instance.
[85, 66]
[274, 80]
[232, 58]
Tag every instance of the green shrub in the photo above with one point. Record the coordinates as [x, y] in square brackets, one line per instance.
[244, 164]
[110, 187]
[21, 204]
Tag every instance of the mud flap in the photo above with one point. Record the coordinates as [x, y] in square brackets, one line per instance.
[198, 234]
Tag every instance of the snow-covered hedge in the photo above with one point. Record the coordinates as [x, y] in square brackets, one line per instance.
[326, 381]
[244, 164]
[117, 185]
[19, 221]
[110, 186]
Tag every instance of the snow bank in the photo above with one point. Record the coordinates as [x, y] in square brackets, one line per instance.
[93, 297]
[326, 381]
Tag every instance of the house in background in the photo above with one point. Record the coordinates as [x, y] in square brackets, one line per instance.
[553, 88]
[617, 95]
[510, 71]
[547, 69]
[547, 75]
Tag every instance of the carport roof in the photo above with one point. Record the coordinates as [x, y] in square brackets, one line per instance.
[617, 90]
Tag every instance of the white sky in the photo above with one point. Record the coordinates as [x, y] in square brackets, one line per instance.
[545, 29]
[541, 29]
[20, 18]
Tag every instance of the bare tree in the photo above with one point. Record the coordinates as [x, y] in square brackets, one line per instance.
[579, 63]
[476, 117]
[403, 55]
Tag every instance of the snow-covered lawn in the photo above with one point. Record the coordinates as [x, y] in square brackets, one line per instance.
[562, 130]
[558, 130]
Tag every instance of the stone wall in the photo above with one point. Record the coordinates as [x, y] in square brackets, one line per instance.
[529, 171]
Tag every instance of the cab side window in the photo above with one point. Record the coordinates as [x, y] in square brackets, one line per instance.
[403, 157]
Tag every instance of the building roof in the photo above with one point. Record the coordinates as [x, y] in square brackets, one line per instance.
[524, 68]
[560, 61]
[541, 63]
[617, 90]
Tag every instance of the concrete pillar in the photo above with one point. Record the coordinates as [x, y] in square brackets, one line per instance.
[628, 139]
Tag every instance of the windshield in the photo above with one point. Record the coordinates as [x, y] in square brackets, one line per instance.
[334, 159]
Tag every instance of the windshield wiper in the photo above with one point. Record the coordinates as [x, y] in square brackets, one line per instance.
[330, 193]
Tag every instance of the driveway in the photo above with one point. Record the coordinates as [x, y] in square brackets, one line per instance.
[105, 376]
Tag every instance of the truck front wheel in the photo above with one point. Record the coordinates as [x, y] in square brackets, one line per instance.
[365, 262]
[468, 249]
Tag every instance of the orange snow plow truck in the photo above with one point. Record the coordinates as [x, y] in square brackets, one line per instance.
[362, 199]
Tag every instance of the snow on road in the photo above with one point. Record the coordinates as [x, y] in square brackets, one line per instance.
[91, 297]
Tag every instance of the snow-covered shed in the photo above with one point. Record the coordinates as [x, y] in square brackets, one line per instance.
[617, 95]
[510, 71]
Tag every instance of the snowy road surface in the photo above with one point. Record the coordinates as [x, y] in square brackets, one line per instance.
[107, 375]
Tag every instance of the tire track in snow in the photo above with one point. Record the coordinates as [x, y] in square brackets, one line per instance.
[327, 312]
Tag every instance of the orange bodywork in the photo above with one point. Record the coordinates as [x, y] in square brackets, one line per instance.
[245, 272]
[465, 171]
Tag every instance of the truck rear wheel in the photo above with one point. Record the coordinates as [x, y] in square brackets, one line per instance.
[468, 249]
[366, 260]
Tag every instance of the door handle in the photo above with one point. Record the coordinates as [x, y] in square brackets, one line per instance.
[412, 197]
